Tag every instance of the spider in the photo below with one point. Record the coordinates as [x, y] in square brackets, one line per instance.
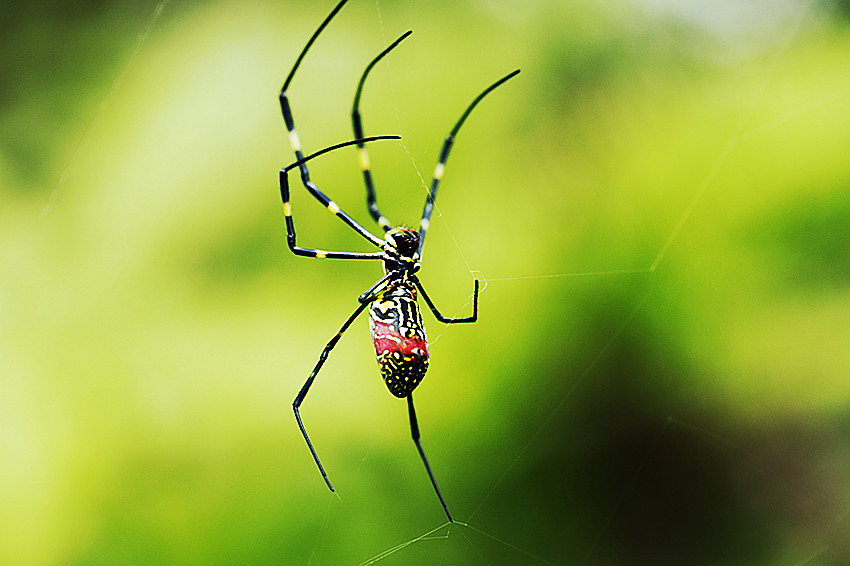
[395, 322]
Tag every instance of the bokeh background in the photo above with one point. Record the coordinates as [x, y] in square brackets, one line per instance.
[659, 205]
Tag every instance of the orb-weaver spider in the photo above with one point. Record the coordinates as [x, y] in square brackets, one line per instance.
[394, 319]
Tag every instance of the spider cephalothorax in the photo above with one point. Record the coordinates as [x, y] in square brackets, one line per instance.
[402, 250]
[394, 318]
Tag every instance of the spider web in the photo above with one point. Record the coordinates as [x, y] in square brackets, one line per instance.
[482, 535]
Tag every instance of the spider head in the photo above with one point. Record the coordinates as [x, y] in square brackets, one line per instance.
[401, 250]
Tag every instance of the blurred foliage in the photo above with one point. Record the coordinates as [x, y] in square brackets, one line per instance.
[658, 205]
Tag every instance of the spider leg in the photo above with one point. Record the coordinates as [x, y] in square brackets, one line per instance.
[369, 294]
[357, 124]
[442, 318]
[295, 143]
[306, 387]
[364, 300]
[444, 155]
[287, 208]
[414, 430]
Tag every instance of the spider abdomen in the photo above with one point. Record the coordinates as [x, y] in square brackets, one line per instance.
[399, 338]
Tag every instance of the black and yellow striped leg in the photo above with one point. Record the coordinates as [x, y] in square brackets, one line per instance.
[284, 101]
[307, 252]
[442, 318]
[369, 295]
[306, 387]
[414, 431]
[310, 186]
[357, 124]
[287, 206]
[295, 142]
[444, 156]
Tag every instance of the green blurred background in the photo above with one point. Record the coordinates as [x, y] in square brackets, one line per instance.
[658, 203]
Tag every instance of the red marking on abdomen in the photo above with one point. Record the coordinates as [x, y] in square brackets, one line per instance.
[387, 339]
[403, 360]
